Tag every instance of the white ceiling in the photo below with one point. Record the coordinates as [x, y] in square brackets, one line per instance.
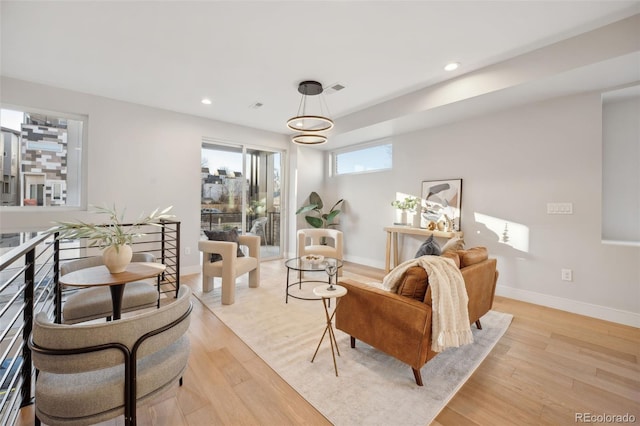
[171, 54]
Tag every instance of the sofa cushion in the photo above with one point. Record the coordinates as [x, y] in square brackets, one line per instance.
[453, 255]
[472, 256]
[230, 236]
[414, 283]
[429, 247]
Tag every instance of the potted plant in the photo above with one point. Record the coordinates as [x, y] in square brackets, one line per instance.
[113, 237]
[319, 219]
[409, 204]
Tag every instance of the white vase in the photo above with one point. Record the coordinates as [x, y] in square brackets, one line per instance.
[401, 217]
[116, 258]
[416, 220]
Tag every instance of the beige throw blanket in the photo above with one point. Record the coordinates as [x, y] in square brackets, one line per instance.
[450, 318]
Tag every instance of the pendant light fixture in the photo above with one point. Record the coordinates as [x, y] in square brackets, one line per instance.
[311, 125]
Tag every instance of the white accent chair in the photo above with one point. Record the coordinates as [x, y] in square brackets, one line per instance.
[310, 242]
[89, 373]
[96, 302]
[231, 266]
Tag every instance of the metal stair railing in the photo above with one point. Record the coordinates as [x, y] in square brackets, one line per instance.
[29, 284]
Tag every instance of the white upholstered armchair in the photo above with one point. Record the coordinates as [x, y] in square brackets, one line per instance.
[231, 266]
[327, 242]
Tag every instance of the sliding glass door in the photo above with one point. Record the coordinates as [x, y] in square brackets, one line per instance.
[241, 189]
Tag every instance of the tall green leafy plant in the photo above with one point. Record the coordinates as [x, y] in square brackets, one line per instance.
[316, 217]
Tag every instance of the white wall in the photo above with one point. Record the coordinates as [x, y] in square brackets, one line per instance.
[139, 157]
[512, 164]
[307, 175]
[621, 171]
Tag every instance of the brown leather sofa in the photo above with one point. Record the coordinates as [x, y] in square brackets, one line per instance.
[399, 324]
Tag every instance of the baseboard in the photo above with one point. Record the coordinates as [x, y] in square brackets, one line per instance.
[596, 311]
[364, 261]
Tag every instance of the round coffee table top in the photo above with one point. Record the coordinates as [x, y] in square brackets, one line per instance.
[324, 292]
[300, 264]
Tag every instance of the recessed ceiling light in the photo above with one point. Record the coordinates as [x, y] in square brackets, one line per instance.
[206, 101]
[452, 66]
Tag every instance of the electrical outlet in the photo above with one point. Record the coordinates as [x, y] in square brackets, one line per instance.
[187, 251]
[566, 274]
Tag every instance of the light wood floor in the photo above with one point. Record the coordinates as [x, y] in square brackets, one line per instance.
[549, 366]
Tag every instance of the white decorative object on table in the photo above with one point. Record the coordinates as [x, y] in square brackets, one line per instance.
[116, 258]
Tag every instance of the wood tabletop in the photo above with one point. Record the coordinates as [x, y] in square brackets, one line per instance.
[100, 275]
[422, 231]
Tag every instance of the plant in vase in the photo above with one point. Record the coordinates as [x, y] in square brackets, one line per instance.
[114, 237]
[405, 206]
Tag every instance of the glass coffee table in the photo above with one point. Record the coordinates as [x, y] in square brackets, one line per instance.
[300, 265]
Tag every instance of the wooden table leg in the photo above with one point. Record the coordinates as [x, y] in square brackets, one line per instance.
[387, 260]
[395, 250]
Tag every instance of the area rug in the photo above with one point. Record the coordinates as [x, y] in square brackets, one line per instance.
[372, 388]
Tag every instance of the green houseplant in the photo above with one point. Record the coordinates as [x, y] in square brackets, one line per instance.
[113, 236]
[316, 217]
[409, 203]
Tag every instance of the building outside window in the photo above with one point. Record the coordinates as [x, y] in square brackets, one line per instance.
[41, 159]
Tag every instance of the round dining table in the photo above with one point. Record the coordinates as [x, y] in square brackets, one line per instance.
[100, 276]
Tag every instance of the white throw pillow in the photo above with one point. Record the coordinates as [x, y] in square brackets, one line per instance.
[455, 243]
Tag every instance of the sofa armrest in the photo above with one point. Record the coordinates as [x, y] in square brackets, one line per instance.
[397, 325]
[226, 249]
[480, 280]
[252, 242]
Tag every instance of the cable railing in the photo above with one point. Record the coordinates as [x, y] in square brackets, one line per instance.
[29, 284]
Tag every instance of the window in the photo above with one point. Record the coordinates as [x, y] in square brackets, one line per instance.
[241, 188]
[42, 158]
[369, 158]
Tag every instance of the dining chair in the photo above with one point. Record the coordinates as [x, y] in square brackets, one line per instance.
[89, 373]
[96, 302]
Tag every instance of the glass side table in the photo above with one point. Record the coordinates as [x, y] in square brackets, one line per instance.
[299, 265]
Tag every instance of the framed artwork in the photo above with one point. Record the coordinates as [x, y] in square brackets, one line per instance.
[441, 204]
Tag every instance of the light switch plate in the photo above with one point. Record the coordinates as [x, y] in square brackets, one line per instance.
[559, 208]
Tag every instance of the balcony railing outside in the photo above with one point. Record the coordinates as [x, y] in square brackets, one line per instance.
[29, 284]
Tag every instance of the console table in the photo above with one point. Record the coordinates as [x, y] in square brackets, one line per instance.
[392, 240]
